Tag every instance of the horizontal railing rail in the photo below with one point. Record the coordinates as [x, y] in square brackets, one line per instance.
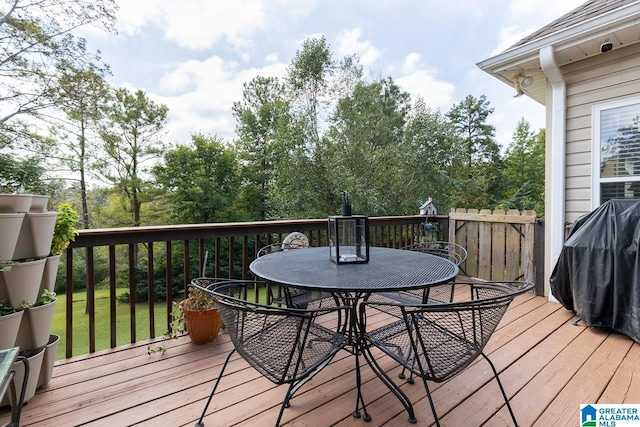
[166, 258]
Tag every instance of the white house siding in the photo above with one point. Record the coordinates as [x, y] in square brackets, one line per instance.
[603, 78]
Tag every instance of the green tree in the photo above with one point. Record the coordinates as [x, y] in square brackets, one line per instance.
[307, 81]
[365, 148]
[84, 94]
[36, 37]
[260, 116]
[430, 159]
[302, 186]
[24, 175]
[202, 179]
[132, 140]
[524, 170]
[479, 174]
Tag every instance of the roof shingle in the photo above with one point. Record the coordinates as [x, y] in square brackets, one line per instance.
[580, 14]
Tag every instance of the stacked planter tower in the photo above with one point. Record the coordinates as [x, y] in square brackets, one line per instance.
[27, 272]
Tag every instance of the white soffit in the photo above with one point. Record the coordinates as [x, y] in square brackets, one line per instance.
[620, 27]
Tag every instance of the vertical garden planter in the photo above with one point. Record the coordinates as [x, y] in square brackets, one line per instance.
[50, 350]
[33, 240]
[50, 273]
[38, 204]
[10, 225]
[20, 281]
[10, 203]
[35, 236]
[9, 327]
[35, 364]
[36, 326]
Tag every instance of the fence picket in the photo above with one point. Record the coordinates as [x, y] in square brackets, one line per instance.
[500, 245]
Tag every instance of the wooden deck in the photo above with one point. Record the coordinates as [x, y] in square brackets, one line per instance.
[548, 366]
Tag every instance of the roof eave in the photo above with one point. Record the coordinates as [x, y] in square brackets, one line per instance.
[584, 32]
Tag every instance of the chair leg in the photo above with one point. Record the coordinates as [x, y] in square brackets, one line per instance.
[285, 403]
[200, 423]
[297, 385]
[504, 394]
[401, 375]
[359, 398]
[433, 407]
[393, 387]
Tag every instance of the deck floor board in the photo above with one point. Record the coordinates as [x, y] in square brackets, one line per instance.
[548, 367]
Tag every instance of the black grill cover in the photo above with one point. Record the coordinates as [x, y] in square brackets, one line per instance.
[598, 272]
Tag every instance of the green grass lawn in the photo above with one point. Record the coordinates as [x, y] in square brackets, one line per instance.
[81, 322]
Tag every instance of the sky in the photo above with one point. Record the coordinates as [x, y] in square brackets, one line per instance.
[195, 55]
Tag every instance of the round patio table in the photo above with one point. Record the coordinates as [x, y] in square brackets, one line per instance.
[387, 270]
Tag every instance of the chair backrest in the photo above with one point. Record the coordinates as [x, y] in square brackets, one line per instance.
[452, 251]
[293, 240]
[449, 336]
[283, 344]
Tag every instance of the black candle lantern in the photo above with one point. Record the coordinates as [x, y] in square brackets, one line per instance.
[348, 236]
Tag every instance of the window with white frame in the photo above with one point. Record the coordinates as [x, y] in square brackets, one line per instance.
[616, 151]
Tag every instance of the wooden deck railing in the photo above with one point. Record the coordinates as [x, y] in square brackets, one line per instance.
[168, 257]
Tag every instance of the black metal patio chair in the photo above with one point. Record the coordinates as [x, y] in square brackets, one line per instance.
[438, 293]
[452, 251]
[437, 341]
[290, 296]
[286, 345]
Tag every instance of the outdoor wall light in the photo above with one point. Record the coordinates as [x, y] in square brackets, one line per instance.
[348, 236]
[521, 82]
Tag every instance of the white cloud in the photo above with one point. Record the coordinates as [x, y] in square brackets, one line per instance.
[421, 81]
[134, 15]
[194, 24]
[200, 95]
[198, 25]
[410, 62]
[348, 43]
[271, 58]
[529, 16]
[510, 36]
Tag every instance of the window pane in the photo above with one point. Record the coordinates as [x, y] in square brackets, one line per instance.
[619, 190]
[620, 143]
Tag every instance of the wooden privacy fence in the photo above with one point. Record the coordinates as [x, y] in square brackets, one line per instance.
[501, 244]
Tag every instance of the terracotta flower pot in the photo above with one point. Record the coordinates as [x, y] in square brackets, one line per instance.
[203, 326]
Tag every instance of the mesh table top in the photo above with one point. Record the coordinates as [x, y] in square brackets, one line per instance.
[387, 269]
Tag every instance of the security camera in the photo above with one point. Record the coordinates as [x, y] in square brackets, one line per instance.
[606, 47]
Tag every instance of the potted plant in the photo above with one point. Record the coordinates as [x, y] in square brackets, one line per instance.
[64, 232]
[65, 229]
[20, 280]
[36, 325]
[200, 316]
